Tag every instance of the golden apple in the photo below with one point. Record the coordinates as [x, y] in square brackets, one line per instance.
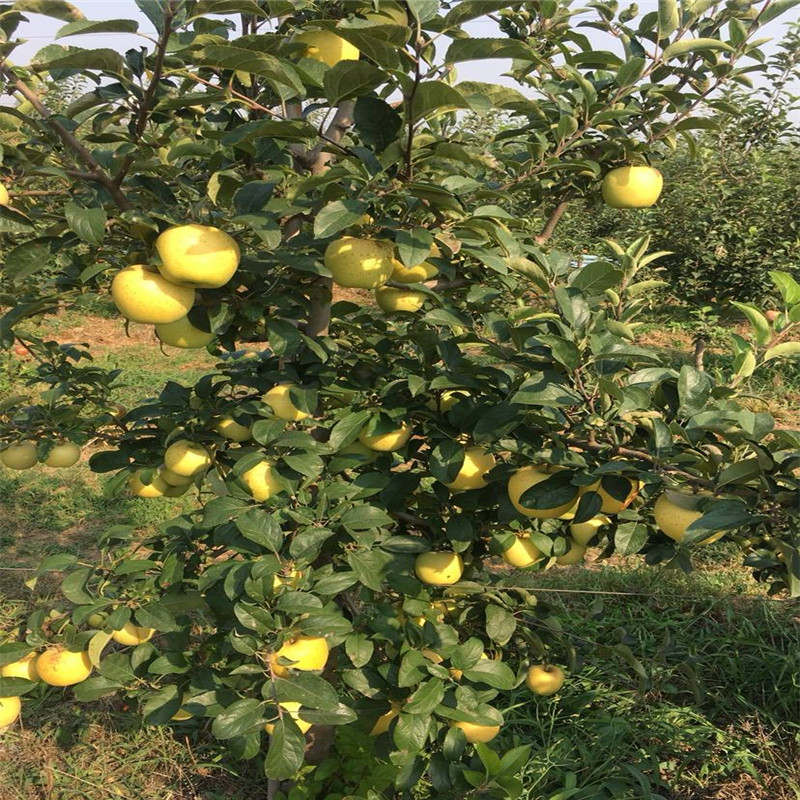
[441, 568]
[294, 712]
[9, 708]
[290, 579]
[19, 456]
[388, 13]
[387, 442]
[187, 458]
[280, 401]
[477, 733]
[261, 481]
[674, 512]
[63, 454]
[142, 294]
[574, 554]
[5, 197]
[584, 532]
[632, 187]
[157, 487]
[327, 47]
[172, 478]
[59, 667]
[24, 667]
[307, 653]
[198, 256]
[359, 263]
[523, 553]
[183, 334]
[391, 299]
[610, 504]
[522, 480]
[419, 272]
[131, 635]
[544, 679]
[232, 430]
[477, 462]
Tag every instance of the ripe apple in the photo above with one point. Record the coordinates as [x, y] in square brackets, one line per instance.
[477, 733]
[187, 458]
[197, 255]
[584, 532]
[447, 400]
[632, 187]
[477, 462]
[327, 47]
[772, 314]
[544, 679]
[9, 706]
[143, 295]
[389, 13]
[359, 263]
[308, 654]
[293, 708]
[574, 554]
[290, 579]
[523, 553]
[232, 430]
[24, 667]
[391, 299]
[387, 442]
[19, 456]
[261, 481]
[442, 568]
[5, 197]
[416, 274]
[132, 635]
[157, 487]
[63, 454]
[183, 334]
[172, 478]
[278, 398]
[60, 667]
[610, 504]
[522, 480]
[20, 349]
[675, 511]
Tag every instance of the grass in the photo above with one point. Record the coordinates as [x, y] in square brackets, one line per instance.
[714, 713]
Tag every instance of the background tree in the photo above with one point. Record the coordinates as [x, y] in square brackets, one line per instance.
[355, 477]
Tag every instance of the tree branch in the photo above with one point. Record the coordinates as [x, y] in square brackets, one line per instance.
[553, 220]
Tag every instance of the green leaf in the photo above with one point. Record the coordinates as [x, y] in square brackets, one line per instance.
[775, 9]
[30, 257]
[722, 515]
[100, 26]
[154, 615]
[351, 79]
[313, 691]
[414, 245]
[253, 196]
[426, 698]
[377, 122]
[88, 224]
[496, 674]
[94, 688]
[788, 286]
[58, 9]
[338, 215]
[241, 717]
[630, 72]
[347, 429]
[466, 10]
[287, 747]
[435, 97]
[597, 276]
[56, 57]
[761, 326]
[500, 624]
[668, 18]
[477, 49]
[73, 587]
[783, 350]
[686, 46]
[261, 527]
[13, 221]
[630, 538]
[359, 649]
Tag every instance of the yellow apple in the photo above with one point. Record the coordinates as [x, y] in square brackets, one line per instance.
[632, 187]
[187, 458]
[387, 442]
[674, 512]
[359, 263]
[232, 430]
[172, 478]
[610, 504]
[180, 715]
[294, 712]
[24, 667]
[141, 294]
[131, 634]
[280, 401]
[157, 487]
[584, 532]
[261, 481]
[327, 47]
[522, 480]
[63, 454]
[449, 398]
[198, 256]
[441, 568]
[183, 334]
[59, 667]
[544, 679]
[574, 554]
[9, 706]
[389, 13]
[477, 462]
[290, 579]
[19, 456]
[477, 733]
[418, 273]
[523, 553]
[308, 654]
[391, 299]
[5, 197]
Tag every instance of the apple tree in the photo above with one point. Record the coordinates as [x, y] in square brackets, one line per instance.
[432, 391]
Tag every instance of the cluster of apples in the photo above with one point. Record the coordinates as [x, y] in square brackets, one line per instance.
[59, 666]
[362, 263]
[192, 257]
[24, 455]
